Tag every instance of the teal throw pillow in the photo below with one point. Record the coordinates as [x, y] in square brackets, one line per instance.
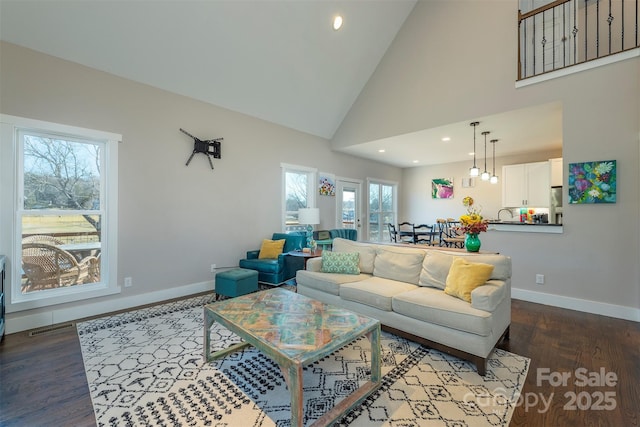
[341, 262]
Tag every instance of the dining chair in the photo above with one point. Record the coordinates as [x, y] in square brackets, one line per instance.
[454, 237]
[406, 232]
[424, 234]
[393, 233]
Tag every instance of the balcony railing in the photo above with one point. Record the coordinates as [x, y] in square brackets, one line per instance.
[565, 33]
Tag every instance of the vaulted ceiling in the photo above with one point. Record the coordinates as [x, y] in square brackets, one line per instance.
[280, 61]
[277, 60]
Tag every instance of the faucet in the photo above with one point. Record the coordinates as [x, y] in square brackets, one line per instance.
[505, 209]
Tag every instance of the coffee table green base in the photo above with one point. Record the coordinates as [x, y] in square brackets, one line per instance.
[291, 363]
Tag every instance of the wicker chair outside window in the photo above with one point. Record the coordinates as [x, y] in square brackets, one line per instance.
[42, 238]
[48, 267]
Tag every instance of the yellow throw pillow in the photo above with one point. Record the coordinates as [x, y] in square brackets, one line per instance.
[465, 276]
[270, 249]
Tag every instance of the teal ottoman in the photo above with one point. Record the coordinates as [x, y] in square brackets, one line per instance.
[236, 282]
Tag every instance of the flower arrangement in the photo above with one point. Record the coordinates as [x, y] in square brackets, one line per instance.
[472, 222]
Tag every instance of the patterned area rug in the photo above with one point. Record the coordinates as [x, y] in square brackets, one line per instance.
[145, 368]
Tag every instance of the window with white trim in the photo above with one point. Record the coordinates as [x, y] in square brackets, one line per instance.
[382, 209]
[63, 212]
[298, 191]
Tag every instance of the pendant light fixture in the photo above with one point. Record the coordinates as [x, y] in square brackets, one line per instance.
[494, 178]
[485, 175]
[474, 171]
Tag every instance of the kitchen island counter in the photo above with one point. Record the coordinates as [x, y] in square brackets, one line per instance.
[525, 227]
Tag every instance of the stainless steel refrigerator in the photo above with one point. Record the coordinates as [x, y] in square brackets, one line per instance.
[555, 210]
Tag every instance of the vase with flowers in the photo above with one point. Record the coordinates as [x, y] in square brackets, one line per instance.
[472, 224]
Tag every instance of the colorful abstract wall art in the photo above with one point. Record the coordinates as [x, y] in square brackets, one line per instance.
[327, 184]
[442, 188]
[593, 182]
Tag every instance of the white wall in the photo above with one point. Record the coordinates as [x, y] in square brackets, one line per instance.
[455, 61]
[174, 221]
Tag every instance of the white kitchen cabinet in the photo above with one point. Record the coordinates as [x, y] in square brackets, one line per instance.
[526, 184]
[556, 172]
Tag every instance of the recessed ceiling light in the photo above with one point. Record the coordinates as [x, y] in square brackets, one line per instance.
[337, 22]
[446, 139]
[471, 153]
[416, 161]
[382, 150]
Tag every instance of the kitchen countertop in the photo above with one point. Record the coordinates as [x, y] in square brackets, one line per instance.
[524, 227]
[524, 223]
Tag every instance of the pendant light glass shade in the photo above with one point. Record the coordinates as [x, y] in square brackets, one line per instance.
[494, 178]
[474, 171]
[485, 175]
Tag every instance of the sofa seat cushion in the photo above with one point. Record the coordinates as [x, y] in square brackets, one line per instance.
[264, 265]
[374, 291]
[328, 282]
[434, 306]
[396, 263]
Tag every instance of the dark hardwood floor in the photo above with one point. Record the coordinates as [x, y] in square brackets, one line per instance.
[42, 380]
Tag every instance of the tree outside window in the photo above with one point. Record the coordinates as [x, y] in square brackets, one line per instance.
[62, 214]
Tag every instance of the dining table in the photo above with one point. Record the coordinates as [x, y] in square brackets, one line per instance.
[82, 249]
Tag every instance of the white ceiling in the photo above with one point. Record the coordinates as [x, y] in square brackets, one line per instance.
[280, 61]
[521, 131]
[272, 59]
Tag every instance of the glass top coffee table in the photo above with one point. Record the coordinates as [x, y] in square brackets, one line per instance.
[295, 331]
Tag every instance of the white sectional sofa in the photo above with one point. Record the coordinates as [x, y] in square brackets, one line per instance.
[403, 287]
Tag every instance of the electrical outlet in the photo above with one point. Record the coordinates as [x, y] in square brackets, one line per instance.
[213, 268]
[128, 282]
[540, 279]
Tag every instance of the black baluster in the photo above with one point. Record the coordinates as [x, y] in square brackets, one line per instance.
[610, 20]
[597, 28]
[544, 40]
[575, 32]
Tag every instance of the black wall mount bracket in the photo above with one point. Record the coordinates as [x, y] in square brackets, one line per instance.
[210, 147]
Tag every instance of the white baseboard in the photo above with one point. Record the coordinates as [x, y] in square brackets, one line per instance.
[593, 307]
[16, 323]
[53, 316]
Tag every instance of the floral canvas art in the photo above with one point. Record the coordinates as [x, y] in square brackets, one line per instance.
[327, 184]
[593, 182]
[442, 188]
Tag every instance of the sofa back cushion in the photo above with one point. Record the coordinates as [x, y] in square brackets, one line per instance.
[398, 263]
[367, 252]
[437, 264]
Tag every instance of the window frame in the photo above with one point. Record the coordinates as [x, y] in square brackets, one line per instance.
[12, 209]
[311, 190]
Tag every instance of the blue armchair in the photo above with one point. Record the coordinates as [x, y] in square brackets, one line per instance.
[276, 271]
[344, 233]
